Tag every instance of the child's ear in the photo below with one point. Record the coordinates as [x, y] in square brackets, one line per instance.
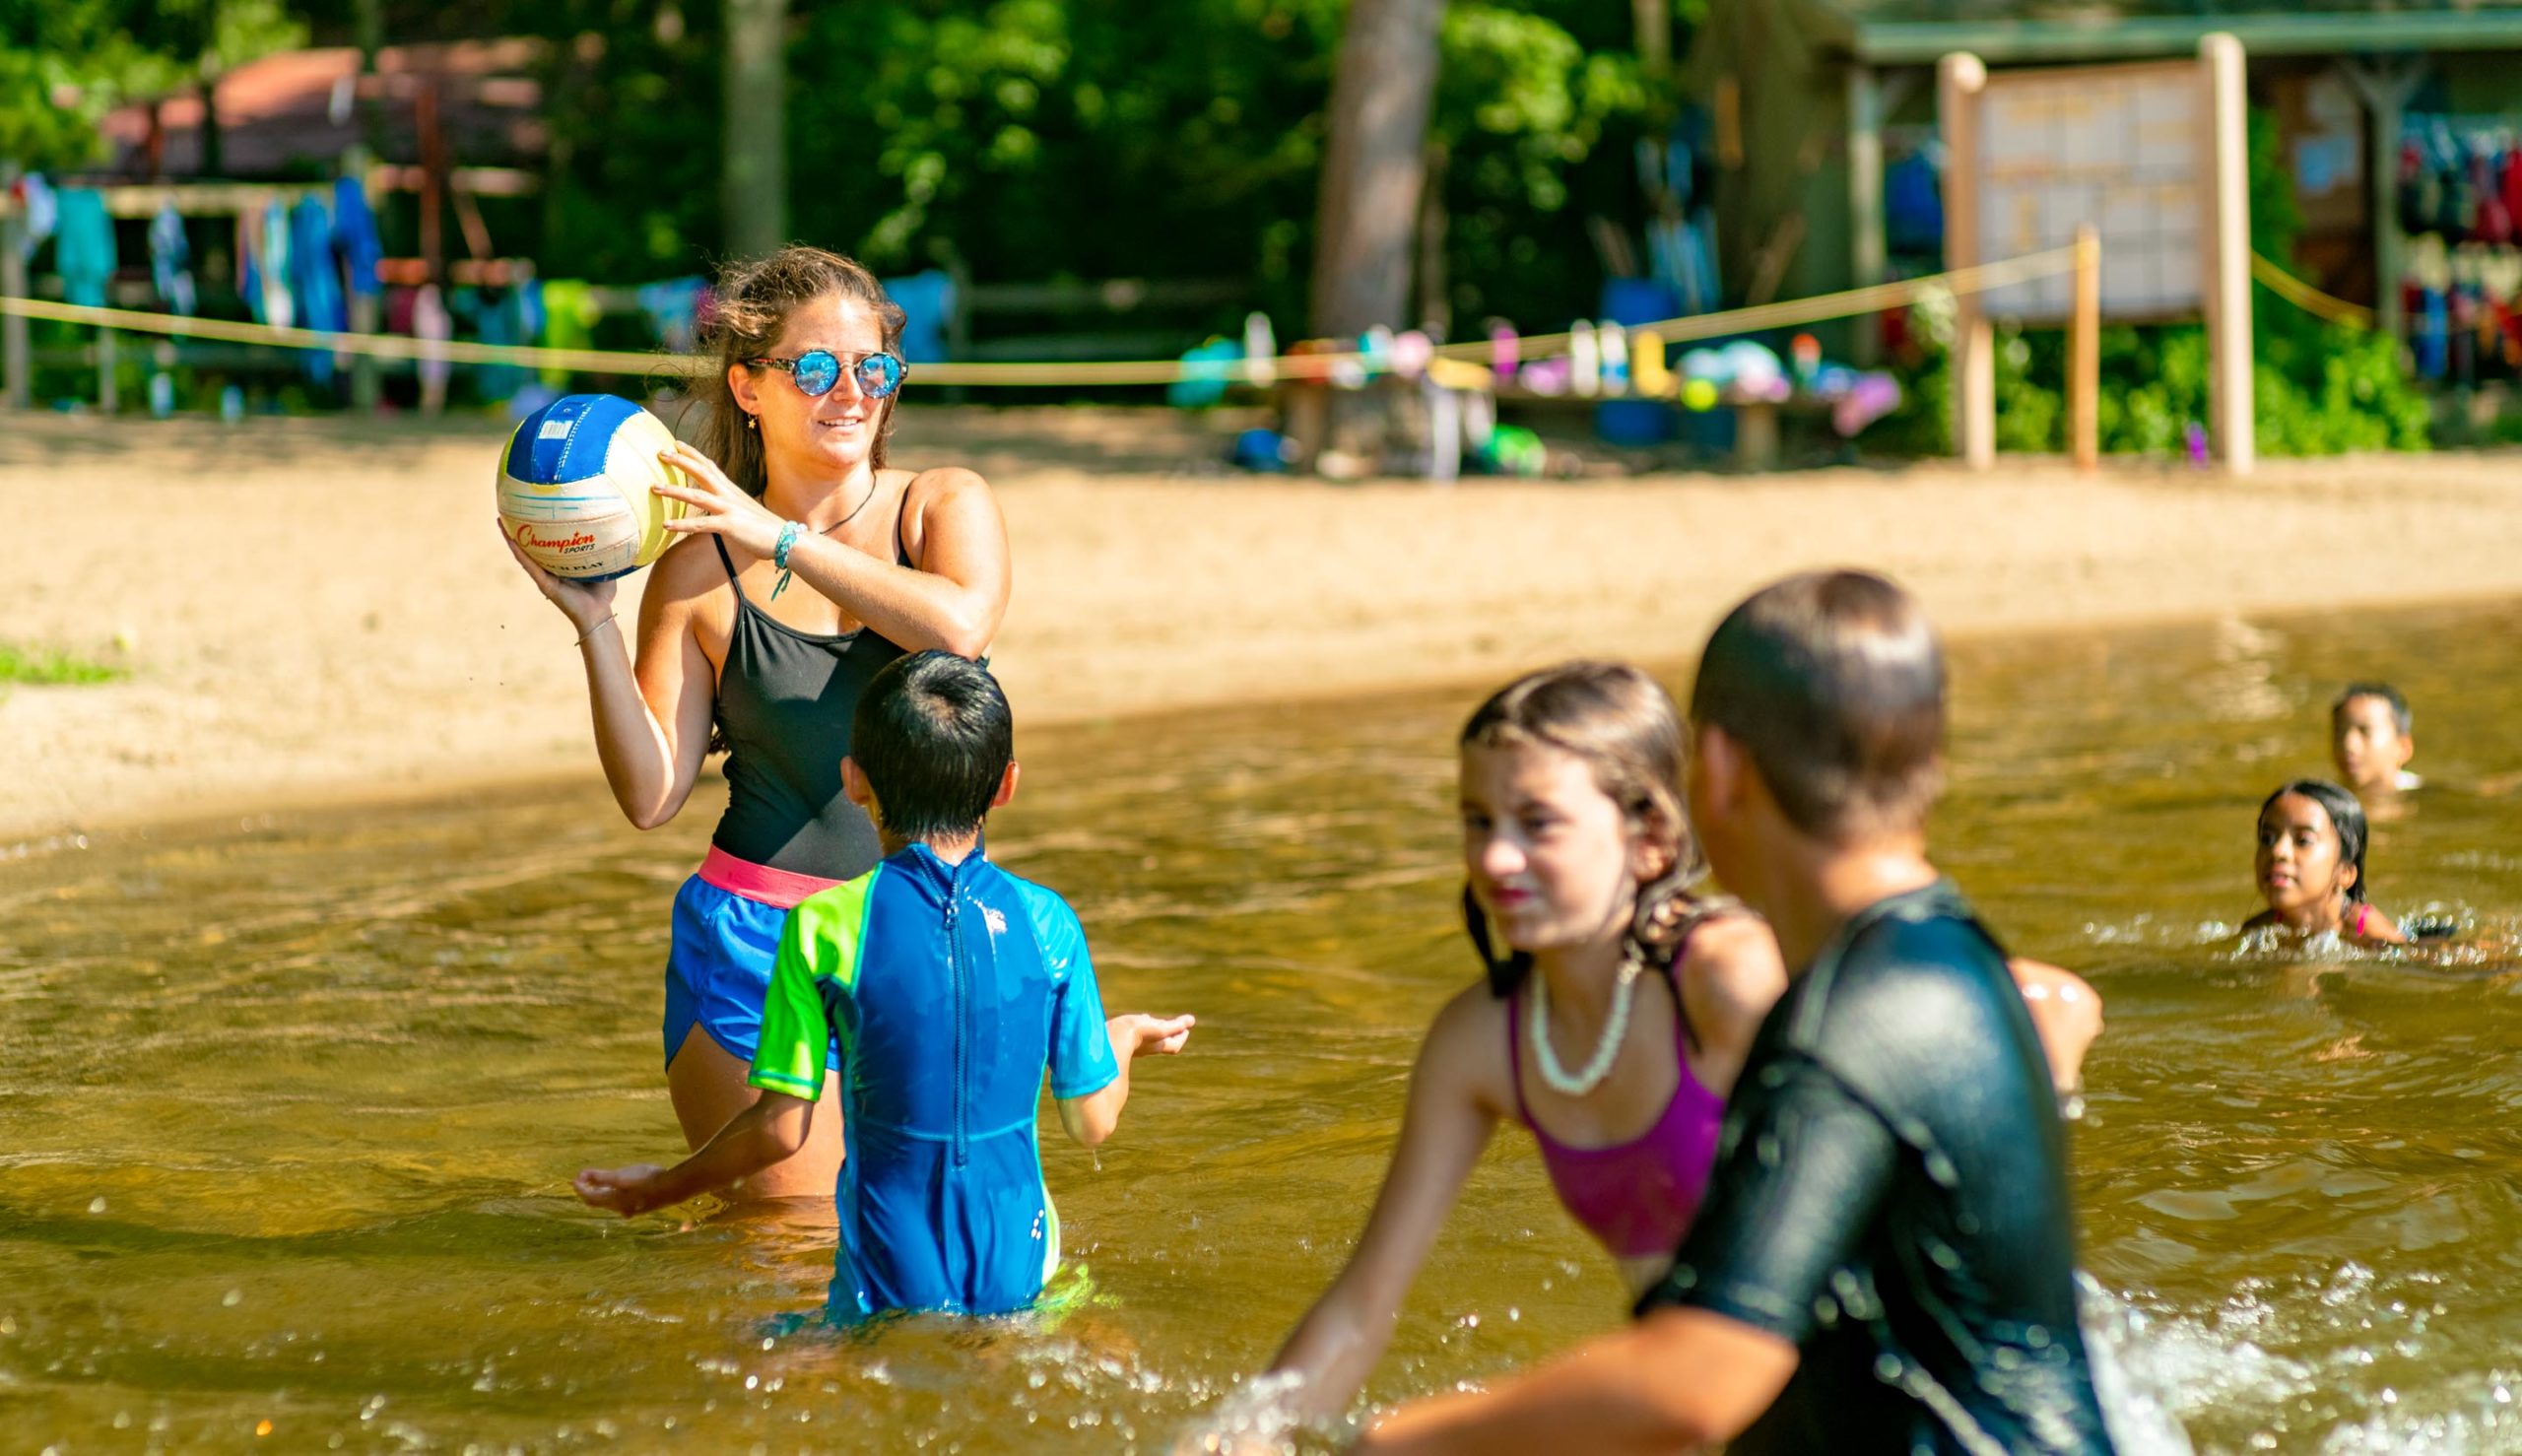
[1718, 761]
[1006, 785]
[854, 786]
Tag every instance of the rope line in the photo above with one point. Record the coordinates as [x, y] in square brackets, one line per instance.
[2310, 299]
[1874, 299]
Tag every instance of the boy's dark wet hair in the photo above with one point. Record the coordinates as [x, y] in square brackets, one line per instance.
[934, 737]
[2382, 690]
[2346, 816]
[1833, 683]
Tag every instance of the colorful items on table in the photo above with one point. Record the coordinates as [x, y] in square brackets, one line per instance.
[1207, 371]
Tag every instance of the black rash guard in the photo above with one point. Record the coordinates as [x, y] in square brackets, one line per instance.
[1890, 1195]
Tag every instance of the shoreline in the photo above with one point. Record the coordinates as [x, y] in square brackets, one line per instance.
[318, 613]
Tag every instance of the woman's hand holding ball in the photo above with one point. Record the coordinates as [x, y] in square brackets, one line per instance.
[585, 602]
[718, 506]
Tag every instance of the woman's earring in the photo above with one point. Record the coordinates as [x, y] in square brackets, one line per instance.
[751, 420]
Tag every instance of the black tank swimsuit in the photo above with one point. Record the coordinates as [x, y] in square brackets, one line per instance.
[785, 700]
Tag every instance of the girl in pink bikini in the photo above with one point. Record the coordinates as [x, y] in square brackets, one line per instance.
[1616, 1010]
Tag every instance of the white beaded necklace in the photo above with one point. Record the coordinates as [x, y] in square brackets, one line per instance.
[1606, 1051]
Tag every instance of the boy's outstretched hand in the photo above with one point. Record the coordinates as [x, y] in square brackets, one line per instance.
[628, 1191]
[1145, 1034]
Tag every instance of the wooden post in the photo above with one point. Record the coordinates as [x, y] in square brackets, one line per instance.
[2084, 354]
[366, 313]
[1867, 254]
[2385, 91]
[1958, 79]
[109, 367]
[2231, 413]
[17, 378]
[433, 169]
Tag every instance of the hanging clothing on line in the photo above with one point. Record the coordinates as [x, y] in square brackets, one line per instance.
[430, 320]
[171, 260]
[265, 236]
[675, 309]
[570, 316]
[354, 237]
[315, 280]
[84, 248]
[42, 210]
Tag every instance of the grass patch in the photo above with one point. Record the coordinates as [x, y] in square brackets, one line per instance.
[50, 666]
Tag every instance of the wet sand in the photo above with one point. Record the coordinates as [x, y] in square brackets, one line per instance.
[317, 610]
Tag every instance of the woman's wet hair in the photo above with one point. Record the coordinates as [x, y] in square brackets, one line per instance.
[753, 303]
[934, 736]
[1833, 683]
[1622, 725]
[2345, 818]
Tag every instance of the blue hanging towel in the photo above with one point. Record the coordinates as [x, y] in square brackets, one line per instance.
[84, 248]
[354, 235]
[315, 280]
[171, 257]
[673, 308]
[42, 210]
[928, 300]
[267, 267]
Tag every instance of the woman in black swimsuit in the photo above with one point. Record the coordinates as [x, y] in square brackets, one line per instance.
[819, 566]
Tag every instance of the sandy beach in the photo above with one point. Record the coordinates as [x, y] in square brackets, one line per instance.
[317, 610]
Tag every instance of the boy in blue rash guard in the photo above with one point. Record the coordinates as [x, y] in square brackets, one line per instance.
[1885, 1258]
[949, 986]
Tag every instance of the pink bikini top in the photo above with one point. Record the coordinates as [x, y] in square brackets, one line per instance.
[1636, 1198]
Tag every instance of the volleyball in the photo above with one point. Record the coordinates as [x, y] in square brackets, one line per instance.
[574, 487]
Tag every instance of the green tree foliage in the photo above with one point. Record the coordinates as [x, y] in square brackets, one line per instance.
[1027, 138]
[65, 63]
[1035, 139]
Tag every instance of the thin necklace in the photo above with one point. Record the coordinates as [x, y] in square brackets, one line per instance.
[1606, 1050]
[781, 585]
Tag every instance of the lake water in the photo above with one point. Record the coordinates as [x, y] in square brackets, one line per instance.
[288, 1108]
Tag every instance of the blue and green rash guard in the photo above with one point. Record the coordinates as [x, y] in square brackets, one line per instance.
[948, 990]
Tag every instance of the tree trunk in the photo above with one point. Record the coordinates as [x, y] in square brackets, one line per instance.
[1380, 99]
[756, 199]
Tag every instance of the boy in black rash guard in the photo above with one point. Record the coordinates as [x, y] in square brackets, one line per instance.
[1885, 1259]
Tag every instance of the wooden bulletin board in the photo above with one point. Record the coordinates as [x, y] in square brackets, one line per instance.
[2124, 148]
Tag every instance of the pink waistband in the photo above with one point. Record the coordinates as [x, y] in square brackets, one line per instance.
[781, 888]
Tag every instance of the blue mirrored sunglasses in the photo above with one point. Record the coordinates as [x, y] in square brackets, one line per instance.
[817, 371]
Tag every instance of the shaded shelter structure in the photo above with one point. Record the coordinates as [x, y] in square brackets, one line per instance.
[1822, 117]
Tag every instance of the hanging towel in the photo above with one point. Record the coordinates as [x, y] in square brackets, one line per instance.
[43, 209]
[170, 258]
[354, 236]
[674, 309]
[315, 280]
[927, 299]
[84, 247]
[267, 268]
[570, 316]
[429, 321]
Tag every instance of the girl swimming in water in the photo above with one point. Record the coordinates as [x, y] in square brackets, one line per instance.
[1616, 1010]
[2310, 866]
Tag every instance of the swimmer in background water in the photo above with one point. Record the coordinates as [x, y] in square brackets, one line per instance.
[2310, 866]
[2370, 742]
[1614, 1016]
[1884, 1258]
